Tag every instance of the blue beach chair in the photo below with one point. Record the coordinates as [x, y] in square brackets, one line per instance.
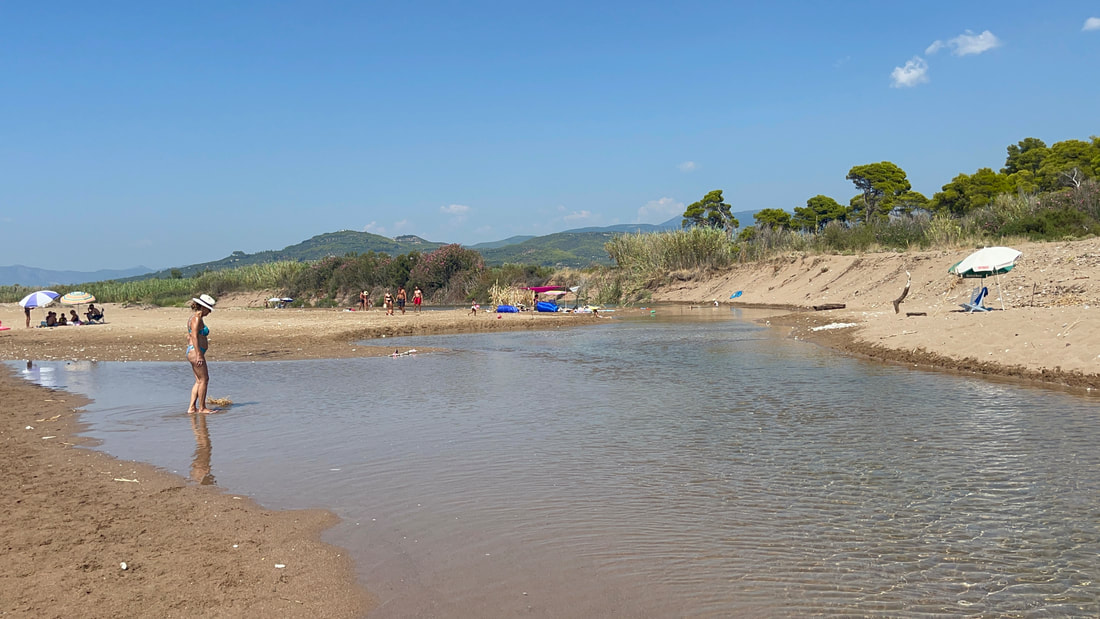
[975, 304]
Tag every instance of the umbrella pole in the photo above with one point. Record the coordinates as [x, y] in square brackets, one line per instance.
[1000, 293]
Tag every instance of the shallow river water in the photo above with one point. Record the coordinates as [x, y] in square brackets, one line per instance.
[688, 463]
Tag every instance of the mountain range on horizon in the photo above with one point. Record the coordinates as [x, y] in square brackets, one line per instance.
[578, 247]
[19, 274]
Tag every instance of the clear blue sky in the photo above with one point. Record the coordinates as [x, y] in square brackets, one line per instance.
[166, 134]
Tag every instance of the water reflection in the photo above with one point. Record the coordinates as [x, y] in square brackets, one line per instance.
[200, 463]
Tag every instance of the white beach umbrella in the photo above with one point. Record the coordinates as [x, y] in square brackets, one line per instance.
[985, 262]
[41, 298]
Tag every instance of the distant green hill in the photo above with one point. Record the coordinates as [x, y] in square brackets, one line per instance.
[577, 248]
[562, 249]
[321, 246]
[512, 240]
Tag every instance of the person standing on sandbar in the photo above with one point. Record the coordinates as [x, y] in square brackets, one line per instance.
[197, 343]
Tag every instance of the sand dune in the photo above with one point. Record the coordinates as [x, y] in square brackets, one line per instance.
[1046, 330]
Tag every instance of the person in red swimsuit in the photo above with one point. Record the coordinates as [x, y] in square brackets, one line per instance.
[418, 299]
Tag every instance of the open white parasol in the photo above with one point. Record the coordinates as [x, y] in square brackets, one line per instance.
[41, 298]
[985, 262]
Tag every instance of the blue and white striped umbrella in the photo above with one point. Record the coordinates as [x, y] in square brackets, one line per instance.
[42, 298]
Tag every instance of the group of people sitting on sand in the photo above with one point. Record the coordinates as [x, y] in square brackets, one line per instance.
[53, 319]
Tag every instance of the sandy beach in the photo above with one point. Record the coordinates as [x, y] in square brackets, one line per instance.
[1042, 327]
[74, 516]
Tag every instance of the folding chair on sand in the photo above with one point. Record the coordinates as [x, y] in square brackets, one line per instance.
[975, 304]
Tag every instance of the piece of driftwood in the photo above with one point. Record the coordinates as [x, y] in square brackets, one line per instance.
[904, 293]
[829, 306]
[916, 313]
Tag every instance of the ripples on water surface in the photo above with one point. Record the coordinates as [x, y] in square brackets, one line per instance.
[672, 466]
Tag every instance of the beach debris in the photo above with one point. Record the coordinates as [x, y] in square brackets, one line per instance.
[123, 565]
[834, 325]
[904, 293]
[46, 438]
[29, 428]
[132, 481]
[219, 401]
[829, 306]
[280, 565]
[54, 418]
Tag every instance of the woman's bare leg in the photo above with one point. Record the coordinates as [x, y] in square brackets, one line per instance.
[191, 408]
[198, 391]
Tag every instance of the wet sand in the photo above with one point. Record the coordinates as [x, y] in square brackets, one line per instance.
[73, 517]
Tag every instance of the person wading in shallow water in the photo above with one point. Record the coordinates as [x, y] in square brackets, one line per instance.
[197, 343]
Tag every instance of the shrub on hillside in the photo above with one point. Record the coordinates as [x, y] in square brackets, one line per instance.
[1052, 225]
[448, 271]
[904, 232]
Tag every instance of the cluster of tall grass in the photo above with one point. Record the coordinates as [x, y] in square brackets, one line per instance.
[645, 260]
[691, 248]
[177, 290]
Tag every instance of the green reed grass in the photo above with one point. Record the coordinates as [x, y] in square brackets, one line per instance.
[176, 291]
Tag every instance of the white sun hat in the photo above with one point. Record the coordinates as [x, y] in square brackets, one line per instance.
[206, 301]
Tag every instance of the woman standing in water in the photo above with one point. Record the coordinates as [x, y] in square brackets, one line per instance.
[197, 334]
